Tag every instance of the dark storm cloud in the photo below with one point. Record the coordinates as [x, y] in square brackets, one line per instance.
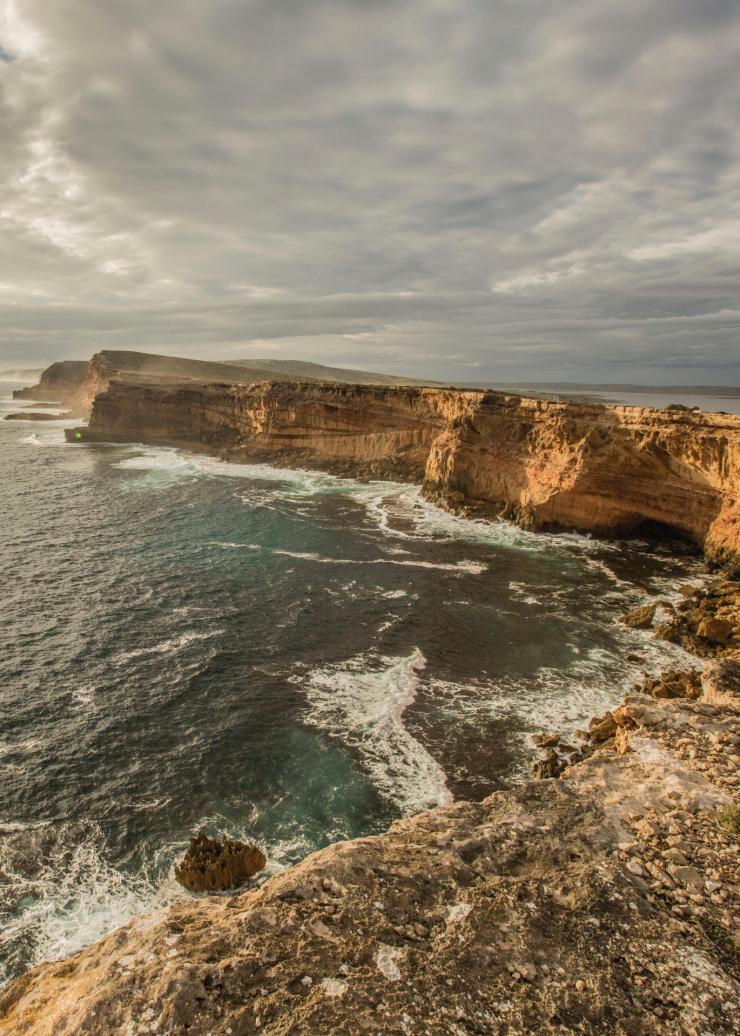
[447, 187]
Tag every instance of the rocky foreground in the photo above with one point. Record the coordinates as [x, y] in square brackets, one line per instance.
[605, 901]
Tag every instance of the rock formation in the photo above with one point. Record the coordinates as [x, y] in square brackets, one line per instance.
[707, 620]
[607, 470]
[62, 382]
[213, 866]
[37, 417]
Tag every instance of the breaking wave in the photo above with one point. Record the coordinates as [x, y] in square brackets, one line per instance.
[362, 703]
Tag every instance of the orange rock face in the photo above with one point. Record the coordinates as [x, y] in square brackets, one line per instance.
[606, 470]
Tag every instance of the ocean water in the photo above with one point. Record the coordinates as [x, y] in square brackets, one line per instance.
[282, 656]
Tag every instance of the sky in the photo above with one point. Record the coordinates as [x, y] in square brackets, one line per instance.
[513, 190]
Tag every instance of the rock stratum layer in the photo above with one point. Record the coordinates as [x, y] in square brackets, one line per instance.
[606, 470]
[601, 903]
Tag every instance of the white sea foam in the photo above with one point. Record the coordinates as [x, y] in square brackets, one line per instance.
[362, 703]
[560, 699]
[165, 647]
[464, 566]
[401, 512]
[66, 894]
[157, 458]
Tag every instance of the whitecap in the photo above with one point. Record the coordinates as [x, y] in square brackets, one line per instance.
[164, 647]
[62, 893]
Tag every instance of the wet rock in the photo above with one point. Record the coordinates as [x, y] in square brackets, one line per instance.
[602, 728]
[640, 618]
[37, 417]
[212, 866]
[551, 766]
[718, 631]
[546, 740]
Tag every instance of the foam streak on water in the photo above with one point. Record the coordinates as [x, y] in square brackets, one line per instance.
[363, 704]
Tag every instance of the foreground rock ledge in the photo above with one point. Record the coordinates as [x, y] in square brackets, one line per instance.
[539, 910]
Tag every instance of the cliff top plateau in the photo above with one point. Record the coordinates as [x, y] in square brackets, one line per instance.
[71, 381]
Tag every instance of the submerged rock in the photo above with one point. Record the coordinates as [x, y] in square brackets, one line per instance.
[212, 866]
[28, 416]
[640, 618]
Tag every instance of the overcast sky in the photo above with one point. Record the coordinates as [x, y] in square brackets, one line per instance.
[480, 189]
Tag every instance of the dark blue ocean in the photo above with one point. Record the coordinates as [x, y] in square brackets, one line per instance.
[281, 656]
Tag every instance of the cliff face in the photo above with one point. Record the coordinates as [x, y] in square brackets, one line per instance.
[607, 470]
[60, 383]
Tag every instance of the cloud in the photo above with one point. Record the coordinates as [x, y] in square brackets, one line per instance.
[438, 187]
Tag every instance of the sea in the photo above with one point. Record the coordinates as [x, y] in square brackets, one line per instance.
[282, 656]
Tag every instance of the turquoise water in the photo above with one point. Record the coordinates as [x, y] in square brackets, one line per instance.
[282, 656]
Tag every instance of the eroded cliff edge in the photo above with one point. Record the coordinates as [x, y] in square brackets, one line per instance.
[601, 903]
[606, 470]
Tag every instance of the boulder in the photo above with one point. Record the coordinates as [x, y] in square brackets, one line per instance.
[546, 740]
[720, 681]
[640, 618]
[212, 866]
[602, 728]
[718, 631]
[551, 766]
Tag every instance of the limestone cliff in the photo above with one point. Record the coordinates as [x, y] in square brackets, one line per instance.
[606, 470]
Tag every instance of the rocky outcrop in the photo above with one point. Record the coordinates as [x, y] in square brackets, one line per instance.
[607, 470]
[707, 620]
[62, 382]
[600, 903]
[211, 865]
[38, 417]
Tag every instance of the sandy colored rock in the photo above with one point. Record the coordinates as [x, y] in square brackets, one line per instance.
[547, 909]
[210, 865]
[718, 631]
[602, 728]
[640, 618]
[606, 470]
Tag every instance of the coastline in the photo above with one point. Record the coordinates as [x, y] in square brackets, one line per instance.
[605, 898]
[469, 917]
[613, 472]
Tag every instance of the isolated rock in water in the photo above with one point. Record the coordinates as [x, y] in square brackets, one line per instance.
[640, 618]
[38, 417]
[211, 866]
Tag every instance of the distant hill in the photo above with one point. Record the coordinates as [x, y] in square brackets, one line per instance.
[152, 366]
[575, 387]
[305, 371]
[77, 382]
